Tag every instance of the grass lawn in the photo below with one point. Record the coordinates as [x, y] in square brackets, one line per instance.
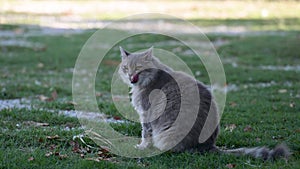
[262, 106]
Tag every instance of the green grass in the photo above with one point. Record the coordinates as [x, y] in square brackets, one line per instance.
[27, 73]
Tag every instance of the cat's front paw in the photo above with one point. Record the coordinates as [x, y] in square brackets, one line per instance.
[141, 146]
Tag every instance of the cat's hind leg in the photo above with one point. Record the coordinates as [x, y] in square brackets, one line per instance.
[146, 136]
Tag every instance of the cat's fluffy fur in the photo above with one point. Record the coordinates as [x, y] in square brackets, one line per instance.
[157, 98]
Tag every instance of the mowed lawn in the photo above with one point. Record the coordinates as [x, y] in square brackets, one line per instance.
[262, 107]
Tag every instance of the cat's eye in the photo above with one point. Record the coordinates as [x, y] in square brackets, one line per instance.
[125, 68]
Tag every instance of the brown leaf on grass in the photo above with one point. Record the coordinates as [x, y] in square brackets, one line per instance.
[230, 165]
[70, 125]
[49, 154]
[258, 139]
[72, 103]
[54, 95]
[248, 128]
[278, 137]
[36, 124]
[30, 159]
[88, 150]
[104, 152]
[98, 159]
[230, 127]
[233, 104]
[93, 159]
[41, 124]
[282, 91]
[40, 65]
[297, 130]
[52, 147]
[43, 98]
[48, 99]
[75, 147]
[41, 140]
[62, 156]
[52, 137]
[79, 149]
[292, 104]
[105, 149]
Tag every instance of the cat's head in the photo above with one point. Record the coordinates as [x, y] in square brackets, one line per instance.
[137, 68]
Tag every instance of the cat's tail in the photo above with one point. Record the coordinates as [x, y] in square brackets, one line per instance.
[280, 151]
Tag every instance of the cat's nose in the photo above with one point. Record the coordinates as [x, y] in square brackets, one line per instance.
[130, 75]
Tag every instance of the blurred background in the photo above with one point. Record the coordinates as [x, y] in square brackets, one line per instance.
[241, 15]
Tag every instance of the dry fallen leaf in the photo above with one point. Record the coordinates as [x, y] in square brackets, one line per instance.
[231, 165]
[233, 104]
[43, 98]
[62, 156]
[278, 137]
[72, 103]
[54, 95]
[248, 128]
[30, 159]
[282, 91]
[88, 150]
[230, 127]
[37, 124]
[52, 137]
[48, 99]
[41, 140]
[292, 104]
[52, 147]
[40, 65]
[104, 153]
[75, 147]
[105, 149]
[93, 159]
[49, 154]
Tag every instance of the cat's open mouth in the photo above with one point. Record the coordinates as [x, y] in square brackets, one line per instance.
[134, 78]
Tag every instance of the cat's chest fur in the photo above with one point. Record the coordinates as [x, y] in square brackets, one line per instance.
[157, 98]
[136, 100]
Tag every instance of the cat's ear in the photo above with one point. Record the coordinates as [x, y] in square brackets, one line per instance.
[148, 53]
[124, 53]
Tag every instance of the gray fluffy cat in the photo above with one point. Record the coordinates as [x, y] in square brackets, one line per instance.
[158, 98]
